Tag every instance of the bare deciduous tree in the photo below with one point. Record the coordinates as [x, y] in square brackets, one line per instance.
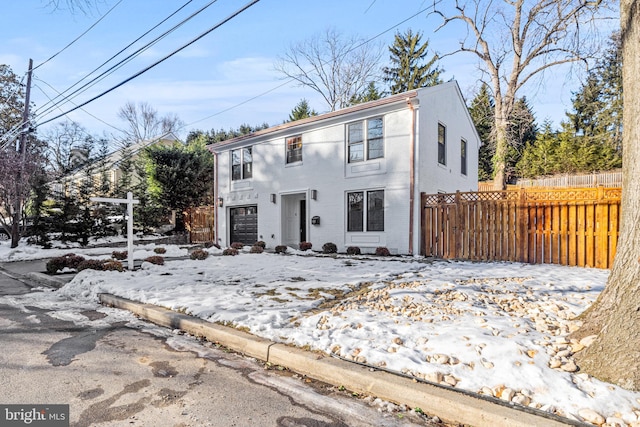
[518, 40]
[62, 140]
[614, 356]
[145, 123]
[335, 66]
[82, 6]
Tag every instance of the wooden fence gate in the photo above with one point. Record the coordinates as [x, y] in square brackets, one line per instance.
[200, 224]
[574, 226]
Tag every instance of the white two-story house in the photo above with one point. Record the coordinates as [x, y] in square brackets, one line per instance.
[352, 177]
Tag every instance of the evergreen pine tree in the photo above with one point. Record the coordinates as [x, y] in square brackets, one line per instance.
[587, 105]
[181, 177]
[215, 136]
[126, 168]
[86, 189]
[611, 74]
[301, 111]
[148, 211]
[521, 132]
[559, 152]
[481, 111]
[541, 157]
[124, 182]
[597, 106]
[104, 188]
[37, 210]
[371, 93]
[408, 70]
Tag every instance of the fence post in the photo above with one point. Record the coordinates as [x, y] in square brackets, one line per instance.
[458, 225]
[423, 225]
[522, 216]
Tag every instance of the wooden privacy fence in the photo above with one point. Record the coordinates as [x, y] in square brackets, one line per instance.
[200, 224]
[611, 178]
[573, 226]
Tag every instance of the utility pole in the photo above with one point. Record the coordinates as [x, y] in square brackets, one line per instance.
[17, 211]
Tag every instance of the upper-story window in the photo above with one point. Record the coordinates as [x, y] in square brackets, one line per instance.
[241, 164]
[442, 144]
[463, 157]
[294, 149]
[365, 140]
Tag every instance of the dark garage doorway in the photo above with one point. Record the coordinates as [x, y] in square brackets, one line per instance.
[244, 224]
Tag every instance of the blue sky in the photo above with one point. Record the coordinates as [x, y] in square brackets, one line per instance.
[210, 84]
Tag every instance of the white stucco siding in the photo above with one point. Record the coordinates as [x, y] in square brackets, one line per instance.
[289, 196]
[324, 169]
[444, 105]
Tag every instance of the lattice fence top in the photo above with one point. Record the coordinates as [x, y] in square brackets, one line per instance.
[526, 195]
[451, 198]
[572, 194]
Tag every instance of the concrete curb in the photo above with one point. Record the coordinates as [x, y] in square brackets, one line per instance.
[33, 279]
[48, 280]
[451, 405]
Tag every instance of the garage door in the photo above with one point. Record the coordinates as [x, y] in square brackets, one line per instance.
[244, 224]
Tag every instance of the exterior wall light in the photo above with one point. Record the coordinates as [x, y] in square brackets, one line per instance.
[272, 197]
[220, 202]
[314, 194]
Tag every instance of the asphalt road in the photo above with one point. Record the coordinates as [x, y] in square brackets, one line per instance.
[118, 373]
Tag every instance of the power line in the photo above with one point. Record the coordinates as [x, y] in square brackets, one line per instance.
[10, 135]
[233, 15]
[85, 111]
[44, 111]
[290, 80]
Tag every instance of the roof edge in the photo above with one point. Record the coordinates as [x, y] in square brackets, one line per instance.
[401, 97]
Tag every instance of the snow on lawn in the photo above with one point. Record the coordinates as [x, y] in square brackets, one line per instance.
[495, 328]
[26, 252]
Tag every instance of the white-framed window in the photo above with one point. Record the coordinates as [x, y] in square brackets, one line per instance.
[365, 210]
[294, 149]
[241, 164]
[442, 144]
[463, 157]
[365, 140]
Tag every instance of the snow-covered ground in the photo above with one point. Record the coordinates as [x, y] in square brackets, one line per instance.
[493, 328]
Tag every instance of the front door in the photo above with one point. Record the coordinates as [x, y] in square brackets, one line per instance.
[294, 219]
[244, 224]
[303, 220]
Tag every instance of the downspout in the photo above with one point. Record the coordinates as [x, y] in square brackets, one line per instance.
[412, 171]
[215, 198]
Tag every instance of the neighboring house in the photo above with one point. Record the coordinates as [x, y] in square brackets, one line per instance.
[352, 177]
[70, 182]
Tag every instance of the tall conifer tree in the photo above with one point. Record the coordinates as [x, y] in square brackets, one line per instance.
[302, 111]
[597, 106]
[408, 70]
[481, 111]
[521, 132]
